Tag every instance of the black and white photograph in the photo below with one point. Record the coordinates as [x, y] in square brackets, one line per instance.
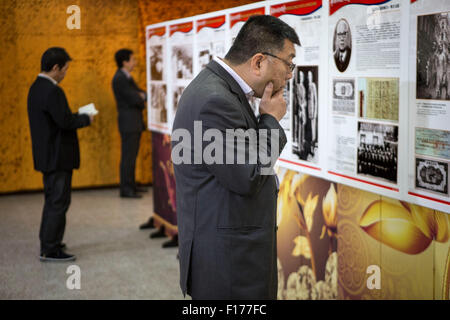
[286, 93]
[182, 61]
[433, 56]
[204, 57]
[342, 45]
[156, 63]
[158, 103]
[208, 50]
[285, 122]
[305, 109]
[432, 175]
[177, 92]
[378, 150]
[344, 96]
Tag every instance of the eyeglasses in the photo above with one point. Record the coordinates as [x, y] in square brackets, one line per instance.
[291, 66]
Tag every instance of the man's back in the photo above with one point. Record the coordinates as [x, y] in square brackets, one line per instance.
[129, 103]
[53, 127]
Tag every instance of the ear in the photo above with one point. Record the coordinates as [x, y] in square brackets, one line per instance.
[56, 68]
[256, 63]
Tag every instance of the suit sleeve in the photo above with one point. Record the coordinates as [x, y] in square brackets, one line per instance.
[125, 89]
[58, 109]
[244, 178]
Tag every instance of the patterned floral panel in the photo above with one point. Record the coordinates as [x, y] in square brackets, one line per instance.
[338, 242]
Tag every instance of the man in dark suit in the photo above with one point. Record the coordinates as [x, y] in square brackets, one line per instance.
[130, 103]
[55, 149]
[227, 212]
[343, 50]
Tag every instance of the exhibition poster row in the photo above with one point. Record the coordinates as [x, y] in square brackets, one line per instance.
[369, 98]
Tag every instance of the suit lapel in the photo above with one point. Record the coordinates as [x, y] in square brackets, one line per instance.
[234, 86]
[130, 79]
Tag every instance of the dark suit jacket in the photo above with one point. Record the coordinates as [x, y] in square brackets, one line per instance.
[129, 103]
[53, 128]
[226, 213]
[342, 66]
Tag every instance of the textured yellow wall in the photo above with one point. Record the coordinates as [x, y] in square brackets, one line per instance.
[29, 27]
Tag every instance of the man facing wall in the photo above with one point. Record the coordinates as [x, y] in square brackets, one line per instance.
[227, 212]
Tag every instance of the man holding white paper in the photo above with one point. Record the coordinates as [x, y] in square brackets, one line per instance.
[55, 149]
[88, 109]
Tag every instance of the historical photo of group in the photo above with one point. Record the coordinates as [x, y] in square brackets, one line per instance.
[158, 110]
[156, 63]
[177, 92]
[432, 175]
[342, 45]
[377, 150]
[305, 109]
[433, 56]
[182, 61]
[208, 50]
[285, 122]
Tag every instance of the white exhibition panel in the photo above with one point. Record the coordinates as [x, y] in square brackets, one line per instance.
[369, 101]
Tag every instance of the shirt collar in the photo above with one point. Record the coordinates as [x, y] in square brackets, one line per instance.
[126, 73]
[248, 91]
[48, 78]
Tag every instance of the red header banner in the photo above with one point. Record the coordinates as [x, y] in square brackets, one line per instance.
[214, 22]
[335, 5]
[244, 15]
[298, 8]
[156, 32]
[181, 27]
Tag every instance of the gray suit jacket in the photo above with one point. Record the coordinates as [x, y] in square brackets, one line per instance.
[226, 213]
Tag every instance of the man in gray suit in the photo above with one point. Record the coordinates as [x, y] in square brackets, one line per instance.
[227, 212]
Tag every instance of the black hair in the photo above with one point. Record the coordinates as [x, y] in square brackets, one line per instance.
[261, 33]
[54, 56]
[121, 56]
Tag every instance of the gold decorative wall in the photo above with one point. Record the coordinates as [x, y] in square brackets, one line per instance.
[29, 27]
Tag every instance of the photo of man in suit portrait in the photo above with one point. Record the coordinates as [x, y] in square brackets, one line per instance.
[226, 211]
[342, 45]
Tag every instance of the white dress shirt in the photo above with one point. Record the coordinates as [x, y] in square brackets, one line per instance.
[248, 91]
[48, 78]
[126, 73]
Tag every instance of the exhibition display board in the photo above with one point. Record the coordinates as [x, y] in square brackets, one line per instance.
[368, 102]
